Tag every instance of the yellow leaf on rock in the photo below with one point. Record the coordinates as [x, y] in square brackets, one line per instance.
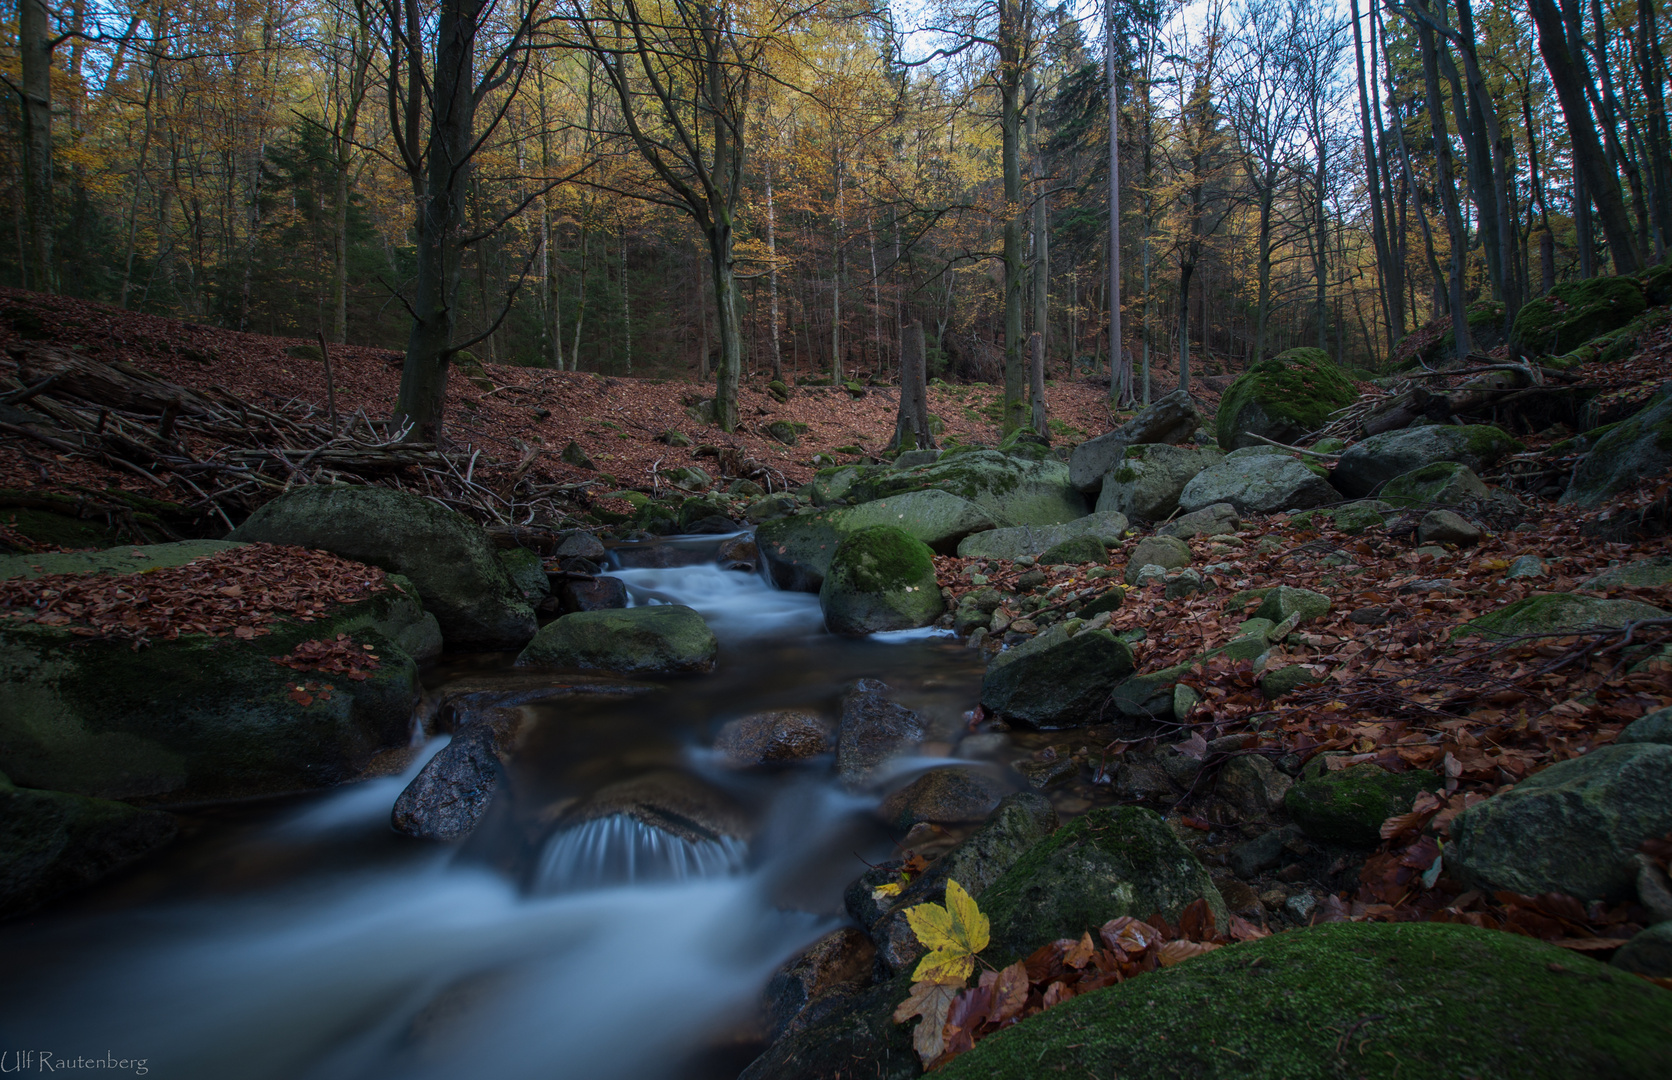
[953, 934]
[891, 888]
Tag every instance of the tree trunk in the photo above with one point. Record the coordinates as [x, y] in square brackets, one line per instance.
[1386, 273]
[772, 281]
[911, 427]
[1011, 45]
[1564, 58]
[446, 179]
[1041, 268]
[1455, 227]
[1122, 394]
[35, 44]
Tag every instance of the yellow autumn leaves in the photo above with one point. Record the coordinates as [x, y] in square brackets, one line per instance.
[953, 934]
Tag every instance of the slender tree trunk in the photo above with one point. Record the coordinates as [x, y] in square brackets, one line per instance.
[1117, 349]
[1011, 47]
[1651, 70]
[911, 427]
[1562, 46]
[1037, 343]
[772, 280]
[35, 44]
[1455, 227]
[627, 308]
[1386, 275]
[838, 262]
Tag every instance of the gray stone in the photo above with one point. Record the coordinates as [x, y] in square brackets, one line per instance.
[446, 555]
[1300, 906]
[1446, 527]
[1010, 489]
[1167, 552]
[453, 789]
[1372, 462]
[1171, 419]
[942, 797]
[779, 735]
[911, 459]
[769, 508]
[1644, 573]
[1253, 786]
[832, 969]
[1285, 600]
[660, 639]
[1185, 583]
[1655, 727]
[1527, 566]
[975, 609]
[52, 843]
[1555, 613]
[1258, 485]
[582, 545]
[1444, 483]
[880, 579]
[1636, 449]
[1146, 484]
[873, 730]
[1254, 857]
[1572, 828]
[526, 572]
[1215, 520]
[1106, 527]
[1647, 953]
[599, 594]
[1057, 680]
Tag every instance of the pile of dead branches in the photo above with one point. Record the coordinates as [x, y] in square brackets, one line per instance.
[222, 456]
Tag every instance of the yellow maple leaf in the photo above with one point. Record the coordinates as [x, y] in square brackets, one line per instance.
[891, 888]
[953, 934]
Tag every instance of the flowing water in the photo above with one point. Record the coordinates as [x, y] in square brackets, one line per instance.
[305, 939]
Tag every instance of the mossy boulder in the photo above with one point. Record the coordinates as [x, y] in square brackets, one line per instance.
[118, 560]
[1377, 1001]
[1571, 828]
[1169, 420]
[830, 486]
[1057, 680]
[797, 549]
[661, 639]
[206, 718]
[881, 578]
[1285, 600]
[1372, 462]
[1283, 398]
[52, 843]
[1357, 518]
[1444, 483]
[445, 554]
[1109, 863]
[1147, 483]
[1076, 552]
[1644, 573]
[975, 609]
[784, 431]
[1167, 552]
[1012, 490]
[1637, 448]
[1575, 312]
[526, 572]
[1106, 527]
[1348, 806]
[1557, 613]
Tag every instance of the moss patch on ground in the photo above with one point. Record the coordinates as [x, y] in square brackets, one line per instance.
[1352, 1000]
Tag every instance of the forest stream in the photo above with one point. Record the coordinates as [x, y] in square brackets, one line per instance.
[305, 939]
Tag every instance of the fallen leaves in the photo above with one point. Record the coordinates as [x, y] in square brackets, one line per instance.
[239, 591]
[340, 657]
[953, 934]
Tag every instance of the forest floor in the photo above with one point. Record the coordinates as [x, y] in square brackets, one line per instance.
[614, 419]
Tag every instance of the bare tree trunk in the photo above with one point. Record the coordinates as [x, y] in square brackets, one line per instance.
[1455, 227]
[35, 44]
[1041, 267]
[911, 428]
[772, 280]
[1012, 48]
[1123, 393]
[838, 267]
[1386, 273]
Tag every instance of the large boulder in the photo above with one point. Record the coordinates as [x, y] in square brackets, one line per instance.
[1368, 464]
[880, 579]
[1349, 999]
[1010, 488]
[796, 550]
[52, 843]
[1572, 828]
[1284, 398]
[1644, 573]
[1217, 519]
[1264, 484]
[1444, 483]
[1574, 312]
[1057, 680]
[203, 718]
[1146, 485]
[1167, 552]
[1557, 613]
[1170, 420]
[1111, 862]
[1107, 527]
[447, 556]
[661, 639]
[1635, 449]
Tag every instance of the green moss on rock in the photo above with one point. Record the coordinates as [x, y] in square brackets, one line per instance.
[1550, 613]
[1576, 311]
[881, 578]
[1076, 550]
[658, 640]
[1376, 1001]
[1348, 806]
[1057, 680]
[1282, 398]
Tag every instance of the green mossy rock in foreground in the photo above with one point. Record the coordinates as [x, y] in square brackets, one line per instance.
[204, 718]
[1348, 806]
[1282, 398]
[881, 578]
[797, 549]
[1111, 862]
[447, 556]
[1551, 613]
[661, 639]
[1359, 1000]
[1575, 312]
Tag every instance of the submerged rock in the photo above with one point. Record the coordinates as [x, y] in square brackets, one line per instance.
[446, 555]
[779, 735]
[52, 844]
[873, 730]
[661, 639]
[942, 797]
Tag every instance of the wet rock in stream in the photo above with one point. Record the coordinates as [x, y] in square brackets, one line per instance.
[778, 735]
[874, 729]
[452, 792]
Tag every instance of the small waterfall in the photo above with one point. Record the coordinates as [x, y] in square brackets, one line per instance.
[621, 850]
